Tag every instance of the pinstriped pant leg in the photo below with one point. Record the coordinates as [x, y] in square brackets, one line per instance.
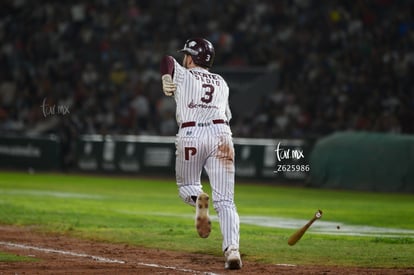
[221, 171]
[229, 223]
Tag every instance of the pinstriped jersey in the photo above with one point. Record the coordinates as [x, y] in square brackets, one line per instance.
[201, 96]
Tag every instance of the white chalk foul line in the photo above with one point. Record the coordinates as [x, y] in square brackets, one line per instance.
[96, 258]
[63, 252]
[178, 269]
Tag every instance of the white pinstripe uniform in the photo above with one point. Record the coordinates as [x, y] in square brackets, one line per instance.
[205, 140]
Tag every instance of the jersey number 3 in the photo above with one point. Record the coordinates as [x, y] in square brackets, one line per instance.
[208, 93]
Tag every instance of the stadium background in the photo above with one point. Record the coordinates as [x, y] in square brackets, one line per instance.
[298, 70]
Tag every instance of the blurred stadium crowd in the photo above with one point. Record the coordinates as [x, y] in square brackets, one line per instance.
[344, 65]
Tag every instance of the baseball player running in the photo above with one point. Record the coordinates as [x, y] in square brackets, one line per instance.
[204, 140]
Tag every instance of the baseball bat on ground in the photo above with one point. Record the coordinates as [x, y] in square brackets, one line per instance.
[298, 234]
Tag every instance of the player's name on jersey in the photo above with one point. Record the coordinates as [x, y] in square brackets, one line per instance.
[206, 78]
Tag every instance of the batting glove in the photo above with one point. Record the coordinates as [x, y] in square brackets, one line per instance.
[168, 86]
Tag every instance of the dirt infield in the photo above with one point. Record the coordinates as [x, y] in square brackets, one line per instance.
[60, 254]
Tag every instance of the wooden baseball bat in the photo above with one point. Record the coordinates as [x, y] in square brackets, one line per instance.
[298, 234]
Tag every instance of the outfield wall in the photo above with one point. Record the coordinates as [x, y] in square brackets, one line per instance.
[278, 159]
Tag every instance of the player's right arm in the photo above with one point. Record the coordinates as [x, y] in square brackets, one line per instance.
[167, 74]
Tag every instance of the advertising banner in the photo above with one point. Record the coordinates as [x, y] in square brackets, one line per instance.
[30, 152]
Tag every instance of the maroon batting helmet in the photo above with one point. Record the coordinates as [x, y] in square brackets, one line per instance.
[201, 50]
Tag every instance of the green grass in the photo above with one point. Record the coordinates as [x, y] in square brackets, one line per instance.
[7, 257]
[149, 213]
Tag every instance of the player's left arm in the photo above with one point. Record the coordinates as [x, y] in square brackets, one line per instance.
[167, 74]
